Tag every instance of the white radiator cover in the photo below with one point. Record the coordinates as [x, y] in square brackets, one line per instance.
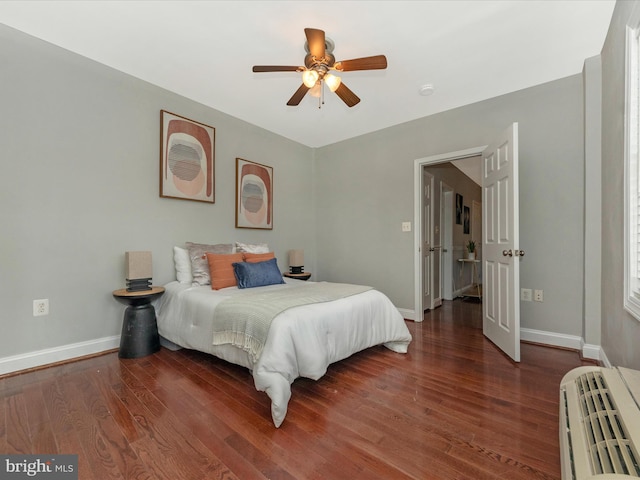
[600, 423]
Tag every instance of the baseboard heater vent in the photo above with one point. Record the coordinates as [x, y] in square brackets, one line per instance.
[600, 423]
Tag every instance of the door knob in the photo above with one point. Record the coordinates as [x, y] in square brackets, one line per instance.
[507, 253]
[518, 253]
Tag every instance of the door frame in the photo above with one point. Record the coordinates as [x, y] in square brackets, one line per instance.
[417, 216]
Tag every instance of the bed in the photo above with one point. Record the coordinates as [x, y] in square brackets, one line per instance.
[301, 341]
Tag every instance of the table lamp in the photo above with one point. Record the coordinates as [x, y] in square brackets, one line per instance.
[296, 261]
[138, 271]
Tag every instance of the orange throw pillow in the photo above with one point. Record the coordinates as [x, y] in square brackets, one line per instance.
[221, 269]
[258, 257]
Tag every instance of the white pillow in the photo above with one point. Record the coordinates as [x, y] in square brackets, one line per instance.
[252, 247]
[183, 265]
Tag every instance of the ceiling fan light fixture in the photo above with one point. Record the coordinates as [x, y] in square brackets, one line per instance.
[315, 90]
[317, 64]
[309, 78]
[332, 81]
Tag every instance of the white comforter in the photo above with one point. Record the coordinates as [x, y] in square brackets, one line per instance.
[302, 341]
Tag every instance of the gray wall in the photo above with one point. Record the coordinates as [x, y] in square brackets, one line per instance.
[592, 79]
[620, 331]
[79, 187]
[365, 190]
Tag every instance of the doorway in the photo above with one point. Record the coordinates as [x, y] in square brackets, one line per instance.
[500, 237]
[419, 239]
[446, 231]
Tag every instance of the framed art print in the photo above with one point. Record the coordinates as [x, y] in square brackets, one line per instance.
[254, 195]
[458, 209]
[465, 225]
[187, 160]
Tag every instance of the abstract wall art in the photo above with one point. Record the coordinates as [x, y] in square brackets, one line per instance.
[254, 195]
[458, 209]
[467, 218]
[187, 160]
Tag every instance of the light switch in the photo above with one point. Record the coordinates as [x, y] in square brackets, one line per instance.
[406, 226]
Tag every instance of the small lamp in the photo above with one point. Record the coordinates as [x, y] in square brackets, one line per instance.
[138, 271]
[296, 261]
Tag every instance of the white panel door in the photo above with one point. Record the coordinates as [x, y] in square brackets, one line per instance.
[427, 240]
[446, 230]
[436, 246]
[500, 243]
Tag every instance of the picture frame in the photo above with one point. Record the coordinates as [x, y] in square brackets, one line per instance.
[458, 209]
[467, 220]
[254, 195]
[187, 158]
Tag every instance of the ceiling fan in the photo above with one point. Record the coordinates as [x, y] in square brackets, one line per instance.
[318, 62]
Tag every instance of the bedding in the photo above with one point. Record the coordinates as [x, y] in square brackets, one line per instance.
[221, 269]
[252, 247]
[245, 320]
[199, 265]
[302, 341]
[251, 274]
[183, 265]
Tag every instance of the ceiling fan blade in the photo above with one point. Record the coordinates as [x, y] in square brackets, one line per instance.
[377, 62]
[298, 96]
[347, 95]
[276, 68]
[316, 41]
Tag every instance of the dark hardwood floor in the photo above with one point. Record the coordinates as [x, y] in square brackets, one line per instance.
[453, 408]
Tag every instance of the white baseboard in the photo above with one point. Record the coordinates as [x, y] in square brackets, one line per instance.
[551, 338]
[604, 360]
[48, 356]
[40, 358]
[593, 352]
[574, 342]
[408, 314]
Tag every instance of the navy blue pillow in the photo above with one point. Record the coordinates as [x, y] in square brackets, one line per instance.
[257, 274]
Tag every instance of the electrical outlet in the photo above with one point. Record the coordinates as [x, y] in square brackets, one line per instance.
[406, 226]
[538, 295]
[525, 294]
[41, 307]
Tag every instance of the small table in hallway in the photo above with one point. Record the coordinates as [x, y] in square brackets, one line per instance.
[475, 290]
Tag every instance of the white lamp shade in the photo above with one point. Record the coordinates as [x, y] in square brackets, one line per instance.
[332, 81]
[309, 78]
[138, 265]
[296, 258]
[315, 90]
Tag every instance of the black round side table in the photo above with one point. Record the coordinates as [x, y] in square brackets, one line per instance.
[300, 276]
[139, 328]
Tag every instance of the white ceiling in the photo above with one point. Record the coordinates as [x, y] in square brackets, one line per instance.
[468, 50]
